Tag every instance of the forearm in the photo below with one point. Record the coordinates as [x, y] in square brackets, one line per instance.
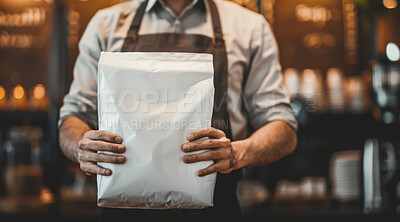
[268, 144]
[72, 131]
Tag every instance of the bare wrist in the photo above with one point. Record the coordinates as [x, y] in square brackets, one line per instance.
[240, 148]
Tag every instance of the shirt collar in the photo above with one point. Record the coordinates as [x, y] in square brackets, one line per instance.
[152, 3]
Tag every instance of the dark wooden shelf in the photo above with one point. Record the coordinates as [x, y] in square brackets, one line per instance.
[316, 213]
[8, 118]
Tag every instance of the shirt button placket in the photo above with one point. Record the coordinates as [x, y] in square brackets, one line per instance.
[177, 26]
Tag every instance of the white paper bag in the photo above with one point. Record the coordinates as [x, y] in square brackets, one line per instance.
[153, 100]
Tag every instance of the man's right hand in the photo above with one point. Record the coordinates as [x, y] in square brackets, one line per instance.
[98, 140]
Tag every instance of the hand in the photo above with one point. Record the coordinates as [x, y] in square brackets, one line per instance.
[221, 151]
[98, 140]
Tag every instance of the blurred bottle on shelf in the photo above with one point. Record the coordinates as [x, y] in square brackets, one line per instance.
[386, 93]
[18, 98]
[251, 192]
[22, 173]
[335, 93]
[311, 90]
[286, 190]
[309, 188]
[358, 93]
[291, 82]
[310, 193]
[346, 174]
[38, 98]
[313, 188]
[336, 86]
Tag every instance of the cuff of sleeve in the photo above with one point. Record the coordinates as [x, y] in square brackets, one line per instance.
[281, 112]
[91, 122]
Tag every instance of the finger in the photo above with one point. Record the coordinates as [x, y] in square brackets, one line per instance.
[98, 145]
[209, 155]
[206, 144]
[91, 169]
[100, 157]
[205, 132]
[103, 135]
[220, 165]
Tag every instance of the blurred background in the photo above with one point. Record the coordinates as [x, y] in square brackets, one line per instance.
[340, 63]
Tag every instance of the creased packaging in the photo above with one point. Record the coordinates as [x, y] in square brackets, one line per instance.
[153, 100]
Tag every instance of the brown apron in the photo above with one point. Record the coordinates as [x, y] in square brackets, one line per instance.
[225, 200]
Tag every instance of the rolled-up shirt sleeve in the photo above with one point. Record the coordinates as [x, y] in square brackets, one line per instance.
[266, 98]
[81, 100]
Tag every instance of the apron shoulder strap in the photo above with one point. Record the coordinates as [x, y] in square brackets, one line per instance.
[135, 26]
[218, 36]
[138, 17]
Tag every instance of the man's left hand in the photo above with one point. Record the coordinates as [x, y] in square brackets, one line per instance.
[218, 146]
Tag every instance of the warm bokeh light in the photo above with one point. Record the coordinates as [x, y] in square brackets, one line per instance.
[390, 4]
[392, 52]
[39, 91]
[18, 92]
[38, 97]
[2, 93]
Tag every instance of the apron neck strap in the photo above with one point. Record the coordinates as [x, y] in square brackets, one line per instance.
[216, 23]
[137, 20]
